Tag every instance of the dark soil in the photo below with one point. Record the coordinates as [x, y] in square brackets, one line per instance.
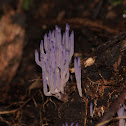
[99, 29]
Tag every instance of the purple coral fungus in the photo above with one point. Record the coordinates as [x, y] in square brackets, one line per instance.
[121, 113]
[55, 56]
[78, 75]
[72, 124]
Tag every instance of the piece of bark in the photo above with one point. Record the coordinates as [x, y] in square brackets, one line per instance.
[104, 75]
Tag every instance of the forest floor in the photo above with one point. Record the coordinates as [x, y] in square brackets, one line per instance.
[94, 23]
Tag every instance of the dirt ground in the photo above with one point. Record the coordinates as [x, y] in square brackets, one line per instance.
[99, 30]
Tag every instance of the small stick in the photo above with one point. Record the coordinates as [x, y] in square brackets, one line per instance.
[85, 120]
[98, 9]
[15, 110]
[107, 117]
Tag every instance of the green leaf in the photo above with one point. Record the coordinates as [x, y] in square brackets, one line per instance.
[115, 2]
[27, 4]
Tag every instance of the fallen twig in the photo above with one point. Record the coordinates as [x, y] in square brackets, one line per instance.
[108, 116]
[15, 110]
